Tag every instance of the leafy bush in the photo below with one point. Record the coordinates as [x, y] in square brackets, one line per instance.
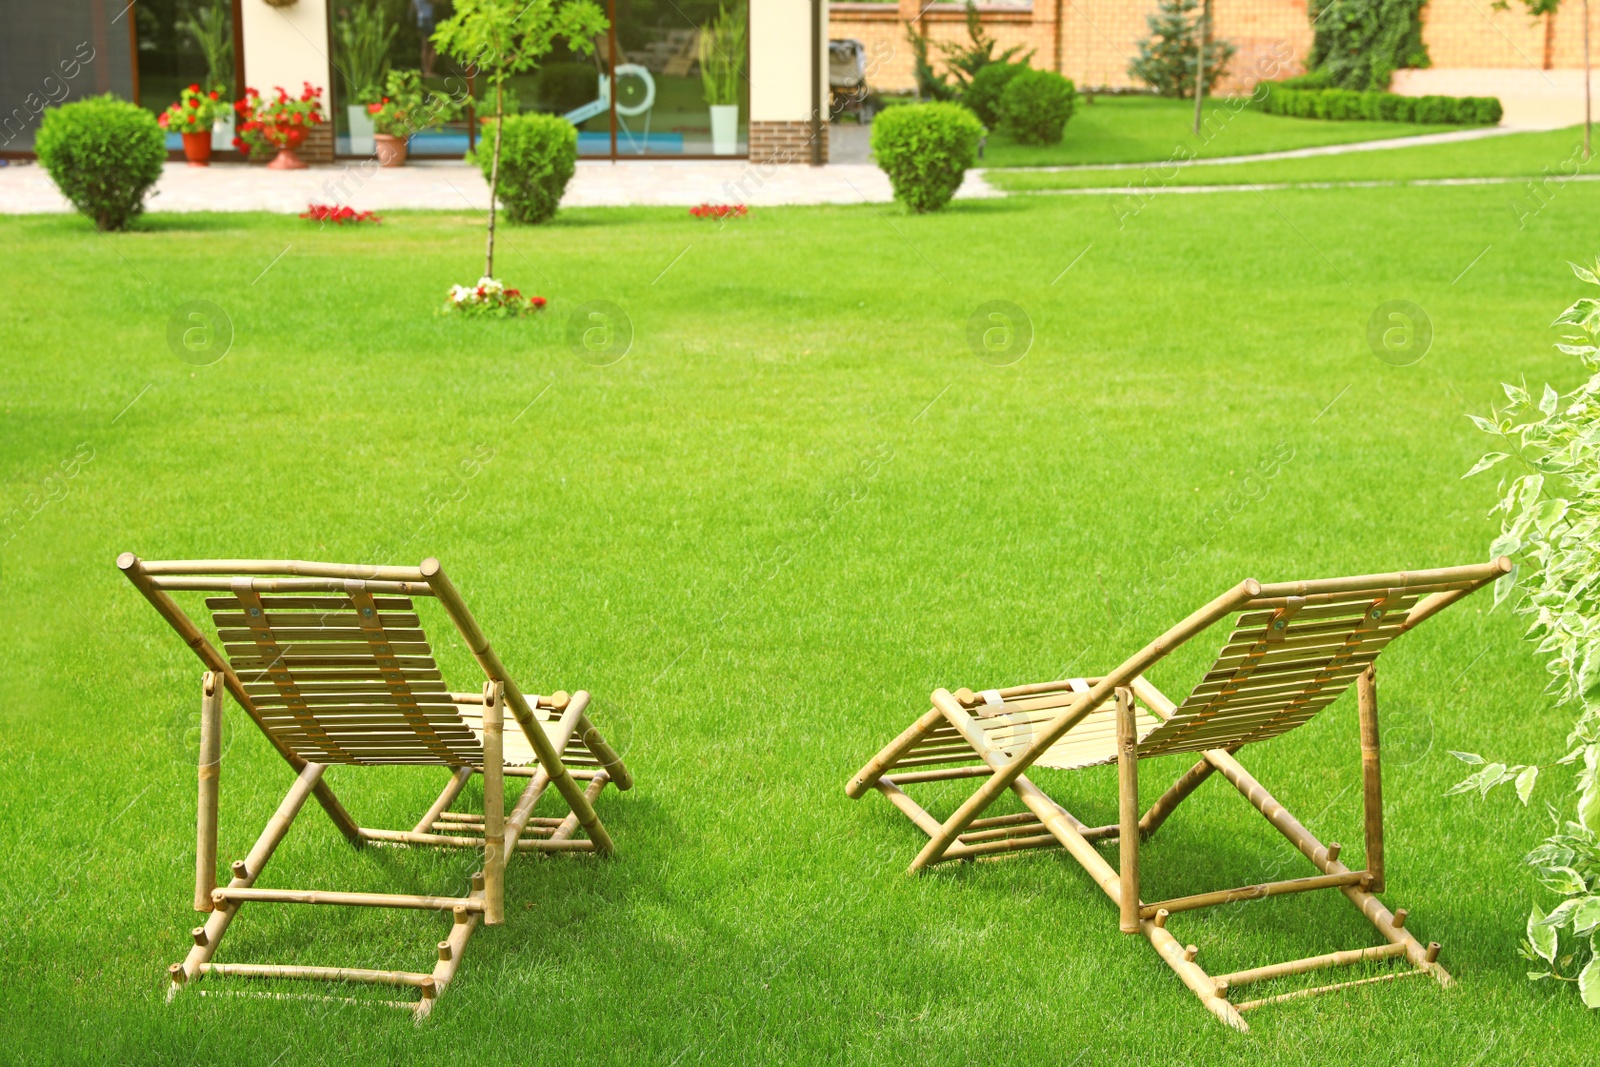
[1363, 42]
[925, 149]
[104, 154]
[538, 155]
[1035, 106]
[983, 95]
[1551, 524]
[1284, 98]
[1167, 58]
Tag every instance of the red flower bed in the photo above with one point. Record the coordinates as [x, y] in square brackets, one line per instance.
[719, 211]
[338, 215]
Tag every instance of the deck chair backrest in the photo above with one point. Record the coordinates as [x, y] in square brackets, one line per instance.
[342, 678]
[1291, 654]
[331, 662]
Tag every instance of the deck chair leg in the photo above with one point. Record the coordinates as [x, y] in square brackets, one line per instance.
[1176, 794]
[494, 805]
[1371, 773]
[207, 937]
[1128, 830]
[1421, 957]
[205, 852]
[447, 797]
[891, 754]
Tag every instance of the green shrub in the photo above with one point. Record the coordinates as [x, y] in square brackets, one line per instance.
[103, 154]
[1295, 98]
[538, 155]
[925, 149]
[1035, 106]
[1488, 109]
[983, 95]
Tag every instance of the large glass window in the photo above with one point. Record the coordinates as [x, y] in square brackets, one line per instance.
[54, 52]
[645, 92]
[183, 43]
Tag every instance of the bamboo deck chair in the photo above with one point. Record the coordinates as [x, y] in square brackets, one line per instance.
[331, 663]
[1296, 647]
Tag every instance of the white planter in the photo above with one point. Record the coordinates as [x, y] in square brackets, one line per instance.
[361, 142]
[222, 133]
[724, 129]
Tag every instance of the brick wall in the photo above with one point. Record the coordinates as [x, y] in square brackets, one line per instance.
[784, 142]
[1093, 41]
[318, 145]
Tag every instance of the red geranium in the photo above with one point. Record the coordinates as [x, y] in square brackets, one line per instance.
[337, 215]
[719, 211]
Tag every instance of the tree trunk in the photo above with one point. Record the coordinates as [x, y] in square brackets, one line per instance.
[494, 176]
[1587, 118]
[1200, 64]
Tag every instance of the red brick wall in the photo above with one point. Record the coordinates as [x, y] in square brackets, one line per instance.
[1097, 38]
[784, 142]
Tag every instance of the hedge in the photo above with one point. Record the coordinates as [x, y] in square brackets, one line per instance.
[1281, 98]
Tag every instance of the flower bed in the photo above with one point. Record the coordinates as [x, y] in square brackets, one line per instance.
[338, 215]
[720, 211]
[281, 123]
[490, 297]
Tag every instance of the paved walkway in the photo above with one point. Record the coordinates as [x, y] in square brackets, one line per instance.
[1448, 137]
[453, 185]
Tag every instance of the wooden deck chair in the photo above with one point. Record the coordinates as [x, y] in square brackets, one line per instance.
[1294, 649]
[331, 662]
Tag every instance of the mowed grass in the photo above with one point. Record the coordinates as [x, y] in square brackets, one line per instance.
[1552, 157]
[1141, 129]
[796, 506]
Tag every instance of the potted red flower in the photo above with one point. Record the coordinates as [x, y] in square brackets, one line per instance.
[406, 108]
[193, 116]
[282, 123]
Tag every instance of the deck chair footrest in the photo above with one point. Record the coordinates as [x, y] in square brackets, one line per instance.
[1254, 892]
[359, 900]
[1297, 994]
[319, 974]
[1346, 958]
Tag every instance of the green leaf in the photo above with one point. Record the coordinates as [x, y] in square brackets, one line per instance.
[1467, 757]
[1563, 880]
[1547, 403]
[1525, 782]
[1484, 424]
[1489, 777]
[1489, 460]
[1583, 273]
[1589, 983]
[1515, 393]
[1542, 937]
[1536, 976]
[1503, 586]
[1587, 916]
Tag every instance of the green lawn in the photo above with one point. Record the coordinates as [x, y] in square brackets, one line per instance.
[798, 505]
[1554, 154]
[1141, 129]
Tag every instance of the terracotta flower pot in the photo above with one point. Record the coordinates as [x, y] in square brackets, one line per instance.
[286, 159]
[391, 150]
[197, 148]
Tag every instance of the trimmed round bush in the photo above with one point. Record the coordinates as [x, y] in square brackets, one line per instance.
[983, 95]
[104, 154]
[1035, 106]
[538, 155]
[925, 149]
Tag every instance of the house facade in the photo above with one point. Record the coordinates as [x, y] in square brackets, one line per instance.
[639, 94]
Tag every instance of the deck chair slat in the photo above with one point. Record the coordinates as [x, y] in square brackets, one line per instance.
[297, 635]
[307, 603]
[278, 620]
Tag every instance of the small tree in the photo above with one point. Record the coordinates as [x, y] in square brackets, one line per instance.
[506, 37]
[1169, 59]
[962, 61]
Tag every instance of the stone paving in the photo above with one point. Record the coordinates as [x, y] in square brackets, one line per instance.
[26, 188]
